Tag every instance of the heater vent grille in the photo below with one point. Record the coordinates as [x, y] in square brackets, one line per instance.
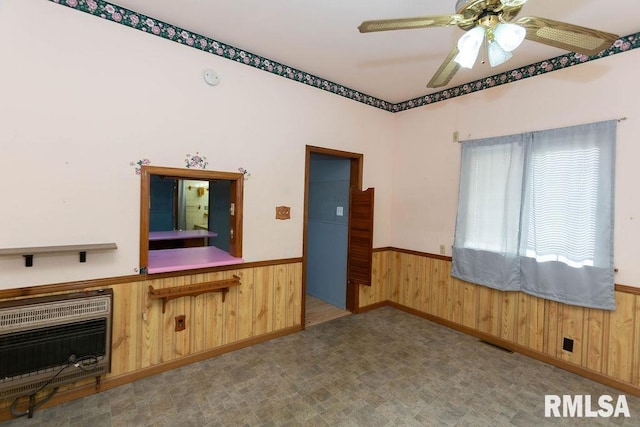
[39, 315]
[65, 378]
[39, 337]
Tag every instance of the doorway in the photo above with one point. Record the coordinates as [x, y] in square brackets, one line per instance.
[329, 177]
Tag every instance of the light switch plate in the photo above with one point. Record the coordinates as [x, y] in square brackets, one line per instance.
[283, 212]
[339, 211]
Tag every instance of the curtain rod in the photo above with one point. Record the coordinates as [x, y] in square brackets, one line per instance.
[460, 141]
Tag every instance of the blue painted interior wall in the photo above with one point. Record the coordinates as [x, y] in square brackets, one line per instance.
[327, 231]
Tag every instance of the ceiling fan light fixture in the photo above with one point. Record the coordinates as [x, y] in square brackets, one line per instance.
[497, 55]
[467, 59]
[509, 36]
[513, 3]
[469, 47]
[493, 21]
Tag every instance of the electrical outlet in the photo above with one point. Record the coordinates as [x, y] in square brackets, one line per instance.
[442, 249]
[181, 323]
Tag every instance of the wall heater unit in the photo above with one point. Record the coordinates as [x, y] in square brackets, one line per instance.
[49, 341]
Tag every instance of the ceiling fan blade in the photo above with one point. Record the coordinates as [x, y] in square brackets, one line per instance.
[573, 38]
[446, 71]
[409, 23]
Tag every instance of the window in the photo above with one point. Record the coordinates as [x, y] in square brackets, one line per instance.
[189, 219]
[535, 214]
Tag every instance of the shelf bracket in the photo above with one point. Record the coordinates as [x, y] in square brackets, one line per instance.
[29, 252]
[28, 260]
[167, 294]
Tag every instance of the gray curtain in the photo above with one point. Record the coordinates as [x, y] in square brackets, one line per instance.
[535, 214]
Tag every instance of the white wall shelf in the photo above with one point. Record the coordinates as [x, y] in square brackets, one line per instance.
[28, 252]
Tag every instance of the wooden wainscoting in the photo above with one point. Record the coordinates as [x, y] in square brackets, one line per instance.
[606, 344]
[377, 294]
[267, 300]
[265, 305]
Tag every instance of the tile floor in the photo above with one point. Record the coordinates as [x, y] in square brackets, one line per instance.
[381, 368]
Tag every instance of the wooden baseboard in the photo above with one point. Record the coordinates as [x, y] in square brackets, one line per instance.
[587, 373]
[116, 381]
[372, 306]
[112, 382]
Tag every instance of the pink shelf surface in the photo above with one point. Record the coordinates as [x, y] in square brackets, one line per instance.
[165, 260]
[181, 234]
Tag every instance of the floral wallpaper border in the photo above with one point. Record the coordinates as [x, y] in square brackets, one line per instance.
[623, 44]
[132, 19]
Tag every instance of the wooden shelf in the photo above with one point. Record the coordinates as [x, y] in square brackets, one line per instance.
[82, 250]
[166, 294]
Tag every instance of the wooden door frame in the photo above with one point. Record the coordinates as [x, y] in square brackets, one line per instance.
[237, 191]
[357, 159]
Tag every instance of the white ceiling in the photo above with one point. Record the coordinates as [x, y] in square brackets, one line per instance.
[321, 36]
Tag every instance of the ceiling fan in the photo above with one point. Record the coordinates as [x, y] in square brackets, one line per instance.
[491, 21]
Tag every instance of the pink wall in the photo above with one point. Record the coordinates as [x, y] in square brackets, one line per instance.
[426, 161]
[82, 98]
